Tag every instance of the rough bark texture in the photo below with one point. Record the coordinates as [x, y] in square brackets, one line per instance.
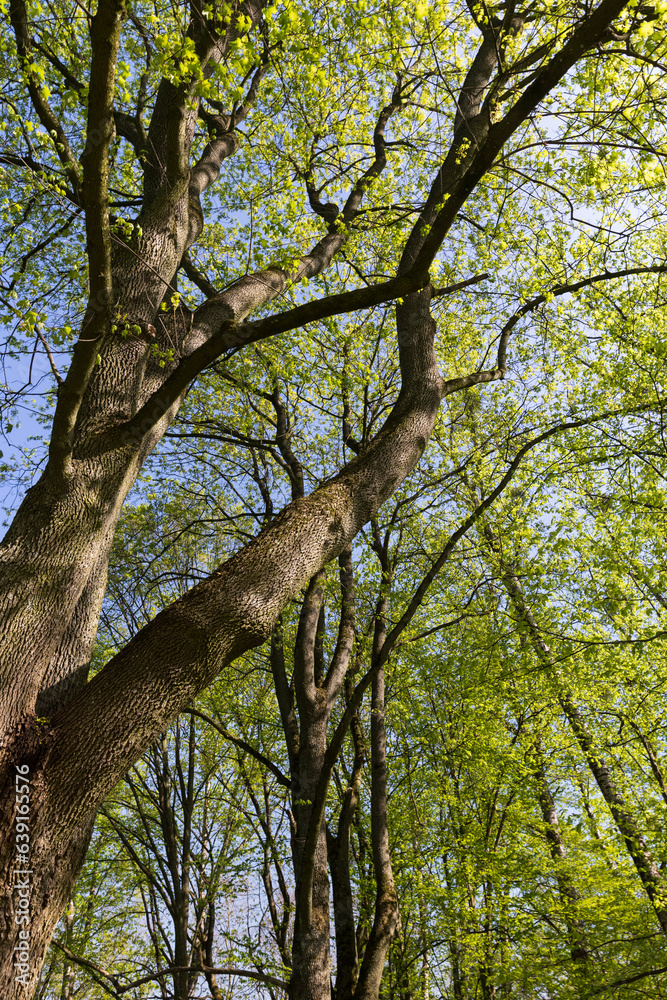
[311, 970]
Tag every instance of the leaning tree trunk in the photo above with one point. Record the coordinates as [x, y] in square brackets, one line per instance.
[99, 733]
[649, 873]
[113, 407]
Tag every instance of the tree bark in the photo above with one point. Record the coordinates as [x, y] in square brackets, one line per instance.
[386, 920]
[311, 972]
[311, 968]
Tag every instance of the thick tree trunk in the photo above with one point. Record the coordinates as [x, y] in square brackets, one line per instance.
[61, 535]
[36, 886]
[311, 965]
[55, 557]
[96, 736]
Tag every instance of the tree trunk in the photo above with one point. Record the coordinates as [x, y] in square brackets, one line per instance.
[339, 848]
[567, 889]
[311, 972]
[97, 735]
[311, 966]
[626, 824]
[386, 920]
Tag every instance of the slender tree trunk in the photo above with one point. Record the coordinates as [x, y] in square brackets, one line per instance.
[626, 824]
[594, 829]
[386, 921]
[339, 848]
[568, 892]
[311, 966]
[653, 761]
[69, 972]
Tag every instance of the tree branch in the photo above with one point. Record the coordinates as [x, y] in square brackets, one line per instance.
[197, 278]
[625, 982]
[584, 37]
[565, 288]
[217, 324]
[275, 771]
[105, 38]
[24, 44]
[120, 990]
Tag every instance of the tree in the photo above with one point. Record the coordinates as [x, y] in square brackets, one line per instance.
[163, 101]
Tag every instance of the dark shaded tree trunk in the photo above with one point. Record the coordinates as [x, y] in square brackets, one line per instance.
[386, 920]
[311, 965]
[558, 850]
[339, 850]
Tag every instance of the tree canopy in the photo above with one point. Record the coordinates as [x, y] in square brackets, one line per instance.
[346, 323]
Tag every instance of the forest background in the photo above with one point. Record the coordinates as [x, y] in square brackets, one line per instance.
[333, 600]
